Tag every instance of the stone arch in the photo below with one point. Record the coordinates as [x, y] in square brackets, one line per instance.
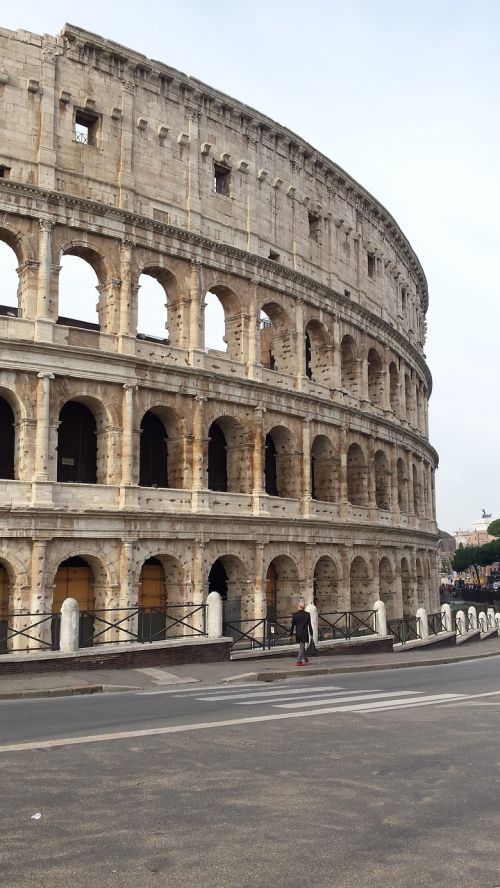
[161, 598]
[82, 271]
[223, 334]
[349, 366]
[375, 378]
[19, 242]
[324, 470]
[357, 476]
[382, 481]
[276, 339]
[287, 585]
[360, 585]
[318, 363]
[161, 449]
[9, 275]
[154, 303]
[12, 579]
[9, 443]
[227, 465]
[78, 577]
[229, 577]
[77, 444]
[326, 585]
[280, 463]
[402, 485]
[386, 581]
[394, 387]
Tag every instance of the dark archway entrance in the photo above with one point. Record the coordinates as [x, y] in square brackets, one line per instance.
[153, 470]
[7, 440]
[4, 608]
[217, 459]
[74, 579]
[270, 469]
[152, 601]
[271, 593]
[77, 445]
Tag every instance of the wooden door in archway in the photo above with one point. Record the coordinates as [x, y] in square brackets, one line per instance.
[74, 579]
[152, 601]
[4, 608]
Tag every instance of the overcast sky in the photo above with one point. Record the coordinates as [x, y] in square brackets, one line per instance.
[405, 97]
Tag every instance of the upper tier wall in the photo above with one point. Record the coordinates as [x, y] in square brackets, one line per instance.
[155, 140]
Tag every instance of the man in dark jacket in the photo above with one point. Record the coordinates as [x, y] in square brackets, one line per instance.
[301, 623]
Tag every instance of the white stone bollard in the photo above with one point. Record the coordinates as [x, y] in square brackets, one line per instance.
[423, 623]
[497, 622]
[70, 626]
[214, 615]
[446, 612]
[460, 620]
[472, 614]
[490, 616]
[482, 621]
[380, 618]
[313, 611]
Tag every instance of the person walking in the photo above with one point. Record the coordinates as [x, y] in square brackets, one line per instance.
[301, 624]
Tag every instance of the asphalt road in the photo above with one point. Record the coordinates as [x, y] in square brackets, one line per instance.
[368, 779]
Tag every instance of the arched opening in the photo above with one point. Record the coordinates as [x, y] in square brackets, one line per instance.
[308, 356]
[77, 444]
[78, 300]
[217, 458]
[75, 579]
[382, 481]
[285, 578]
[276, 347]
[9, 301]
[357, 471]
[406, 590]
[375, 378]
[280, 463]
[386, 587]
[326, 586]
[349, 367]
[4, 609]
[153, 456]
[360, 584]
[402, 486]
[228, 577]
[324, 471]
[416, 491]
[152, 601]
[394, 387]
[215, 324]
[7, 440]
[271, 593]
[152, 308]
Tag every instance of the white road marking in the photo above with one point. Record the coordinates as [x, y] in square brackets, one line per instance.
[160, 676]
[335, 699]
[291, 692]
[203, 726]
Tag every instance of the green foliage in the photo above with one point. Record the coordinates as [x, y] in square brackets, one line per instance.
[494, 528]
[476, 556]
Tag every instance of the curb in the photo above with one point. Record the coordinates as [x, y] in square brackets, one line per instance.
[51, 692]
[372, 667]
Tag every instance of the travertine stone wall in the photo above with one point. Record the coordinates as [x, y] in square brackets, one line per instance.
[205, 194]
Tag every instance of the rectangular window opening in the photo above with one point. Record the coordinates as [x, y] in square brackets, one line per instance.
[222, 179]
[274, 255]
[86, 126]
[371, 265]
[314, 226]
[4, 171]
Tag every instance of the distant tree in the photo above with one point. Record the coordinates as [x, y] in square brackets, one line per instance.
[494, 528]
[467, 556]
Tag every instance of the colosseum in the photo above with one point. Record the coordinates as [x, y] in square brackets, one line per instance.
[145, 467]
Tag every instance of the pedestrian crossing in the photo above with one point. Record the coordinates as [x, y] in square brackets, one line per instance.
[318, 699]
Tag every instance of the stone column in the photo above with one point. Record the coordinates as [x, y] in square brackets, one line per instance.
[41, 489]
[300, 341]
[259, 587]
[40, 599]
[196, 350]
[257, 460]
[48, 106]
[337, 372]
[306, 469]
[193, 202]
[253, 324]
[44, 314]
[128, 434]
[198, 467]
[398, 590]
[197, 583]
[307, 584]
[343, 491]
[394, 482]
[28, 289]
[127, 314]
[345, 580]
[363, 379]
[372, 494]
[125, 173]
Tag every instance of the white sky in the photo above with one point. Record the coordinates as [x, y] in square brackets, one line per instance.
[404, 94]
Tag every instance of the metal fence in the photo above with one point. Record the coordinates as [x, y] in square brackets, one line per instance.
[436, 623]
[23, 631]
[346, 624]
[254, 634]
[404, 629]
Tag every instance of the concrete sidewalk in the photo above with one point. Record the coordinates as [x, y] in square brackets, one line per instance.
[93, 681]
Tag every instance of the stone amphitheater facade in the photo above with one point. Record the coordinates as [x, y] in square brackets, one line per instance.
[296, 461]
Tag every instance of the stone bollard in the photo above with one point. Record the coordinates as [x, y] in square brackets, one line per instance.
[446, 612]
[423, 623]
[313, 611]
[460, 621]
[380, 618]
[70, 626]
[472, 614]
[490, 616]
[482, 621]
[214, 615]
[497, 621]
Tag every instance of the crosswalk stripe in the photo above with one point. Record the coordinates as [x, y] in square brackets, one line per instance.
[292, 692]
[383, 705]
[336, 699]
